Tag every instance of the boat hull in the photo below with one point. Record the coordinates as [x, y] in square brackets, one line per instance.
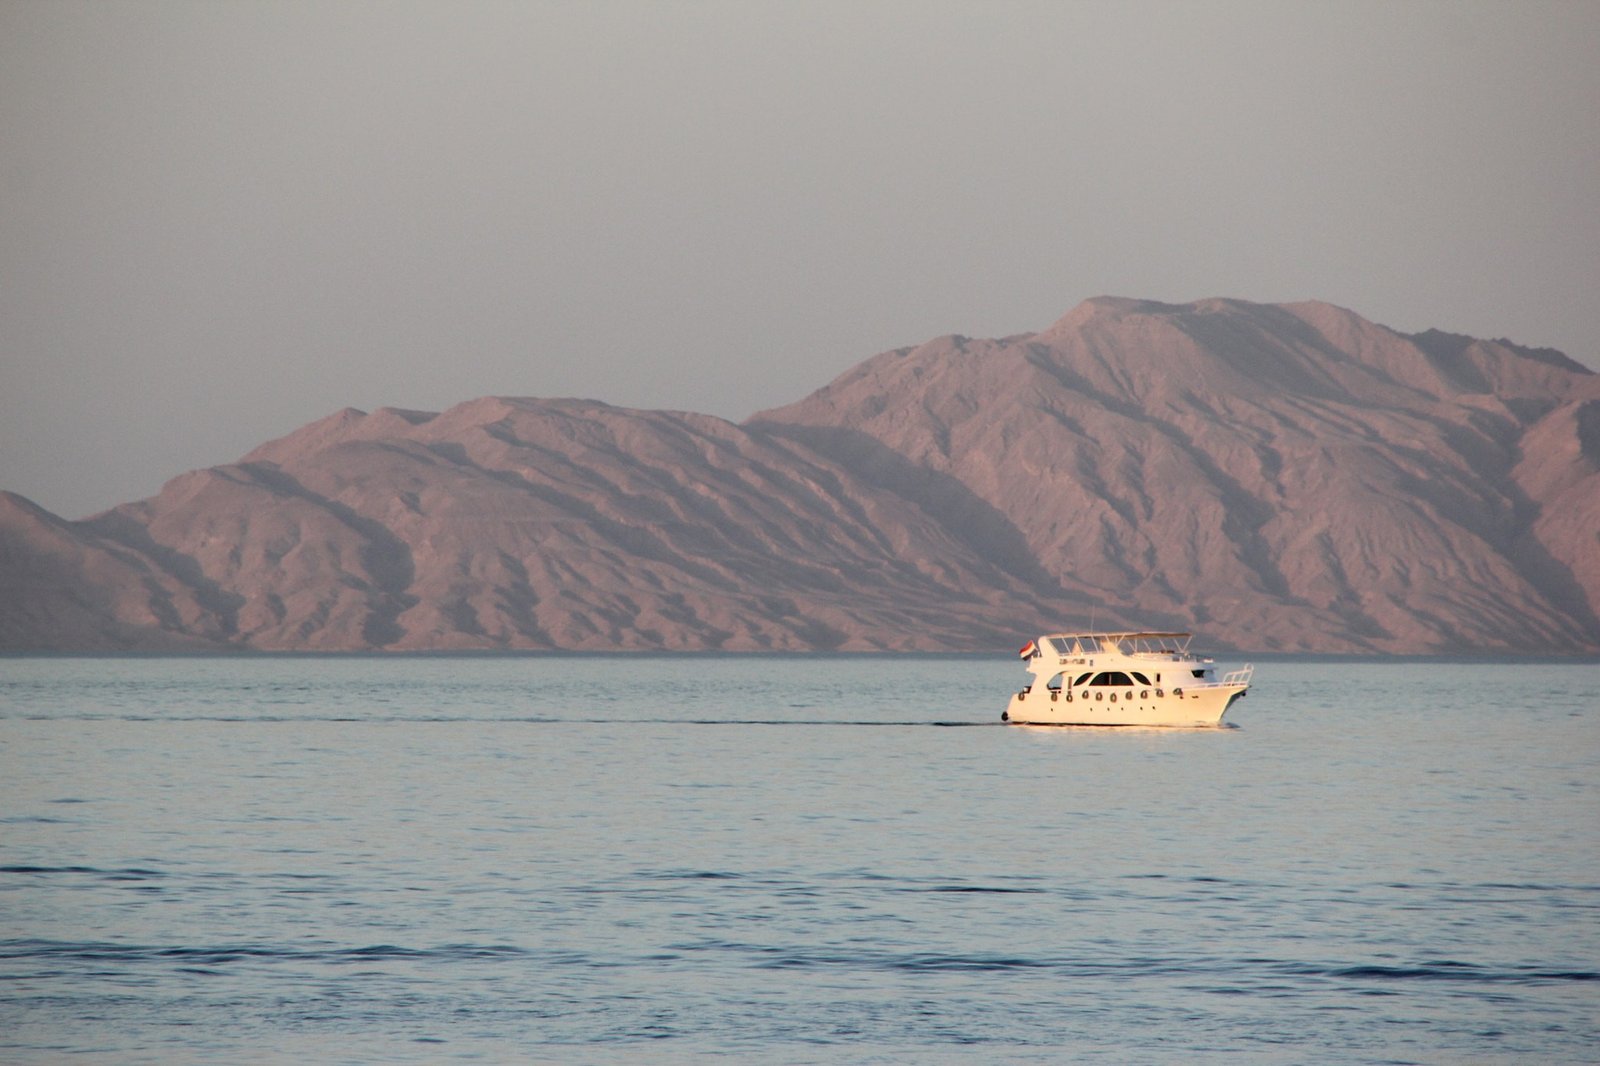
[1201, 705]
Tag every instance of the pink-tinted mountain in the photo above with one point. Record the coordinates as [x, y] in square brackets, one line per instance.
[1275, 477]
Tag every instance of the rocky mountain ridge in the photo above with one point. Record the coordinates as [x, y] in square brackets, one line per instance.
[1276, 477]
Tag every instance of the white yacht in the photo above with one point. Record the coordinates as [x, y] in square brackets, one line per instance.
[1144, 679]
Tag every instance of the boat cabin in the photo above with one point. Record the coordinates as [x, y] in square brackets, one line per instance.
[1116, 660]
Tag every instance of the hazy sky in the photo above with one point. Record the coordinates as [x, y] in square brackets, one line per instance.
[219, 221]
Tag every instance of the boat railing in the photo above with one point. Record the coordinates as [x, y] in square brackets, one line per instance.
[1240, 676]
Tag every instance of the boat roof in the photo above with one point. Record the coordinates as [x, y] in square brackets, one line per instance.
[1130, 635]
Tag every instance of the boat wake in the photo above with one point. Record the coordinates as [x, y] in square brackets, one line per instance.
[279, 719]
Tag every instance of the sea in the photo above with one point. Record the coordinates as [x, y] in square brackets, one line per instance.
[790, 859]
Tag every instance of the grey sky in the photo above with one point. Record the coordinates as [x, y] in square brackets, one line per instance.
[219, 221]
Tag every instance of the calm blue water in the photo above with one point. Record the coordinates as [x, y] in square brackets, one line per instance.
[622, 859]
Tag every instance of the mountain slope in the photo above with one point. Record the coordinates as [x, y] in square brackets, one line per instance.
[62, 588]
[1278, 477]
[507, 523]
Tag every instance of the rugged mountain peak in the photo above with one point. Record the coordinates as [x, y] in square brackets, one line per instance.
[15, 508]
[335, 427]
[1111, 308]
[1196, 460]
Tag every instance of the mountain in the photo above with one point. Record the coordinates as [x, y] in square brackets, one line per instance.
[1281, 477]
[1275, 477]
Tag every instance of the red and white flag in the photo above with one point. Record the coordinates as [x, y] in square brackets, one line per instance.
[1028, 650]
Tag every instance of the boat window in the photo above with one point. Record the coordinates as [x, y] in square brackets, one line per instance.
[1055, 683]
[1081, 679]
[1111, 677]
[1198, 673]
[1140, 678]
